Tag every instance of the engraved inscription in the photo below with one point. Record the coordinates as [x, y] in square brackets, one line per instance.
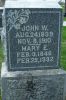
[35, 88]
[31, 41]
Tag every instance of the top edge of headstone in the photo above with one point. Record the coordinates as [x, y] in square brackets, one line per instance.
[31, 4]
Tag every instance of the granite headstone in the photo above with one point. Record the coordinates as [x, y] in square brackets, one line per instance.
[33, 35]
[32, 31]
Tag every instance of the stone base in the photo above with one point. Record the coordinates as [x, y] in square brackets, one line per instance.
[33, 85]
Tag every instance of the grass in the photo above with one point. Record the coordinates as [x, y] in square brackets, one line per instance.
[63, 49]
[64, 18]
[0, 98]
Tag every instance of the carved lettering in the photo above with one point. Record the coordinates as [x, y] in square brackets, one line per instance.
[34, 44]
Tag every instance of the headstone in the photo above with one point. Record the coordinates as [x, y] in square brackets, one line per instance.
[32, 31]
[33, 37]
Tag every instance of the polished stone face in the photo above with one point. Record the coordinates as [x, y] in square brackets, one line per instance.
[33, 38]
[29, 87]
